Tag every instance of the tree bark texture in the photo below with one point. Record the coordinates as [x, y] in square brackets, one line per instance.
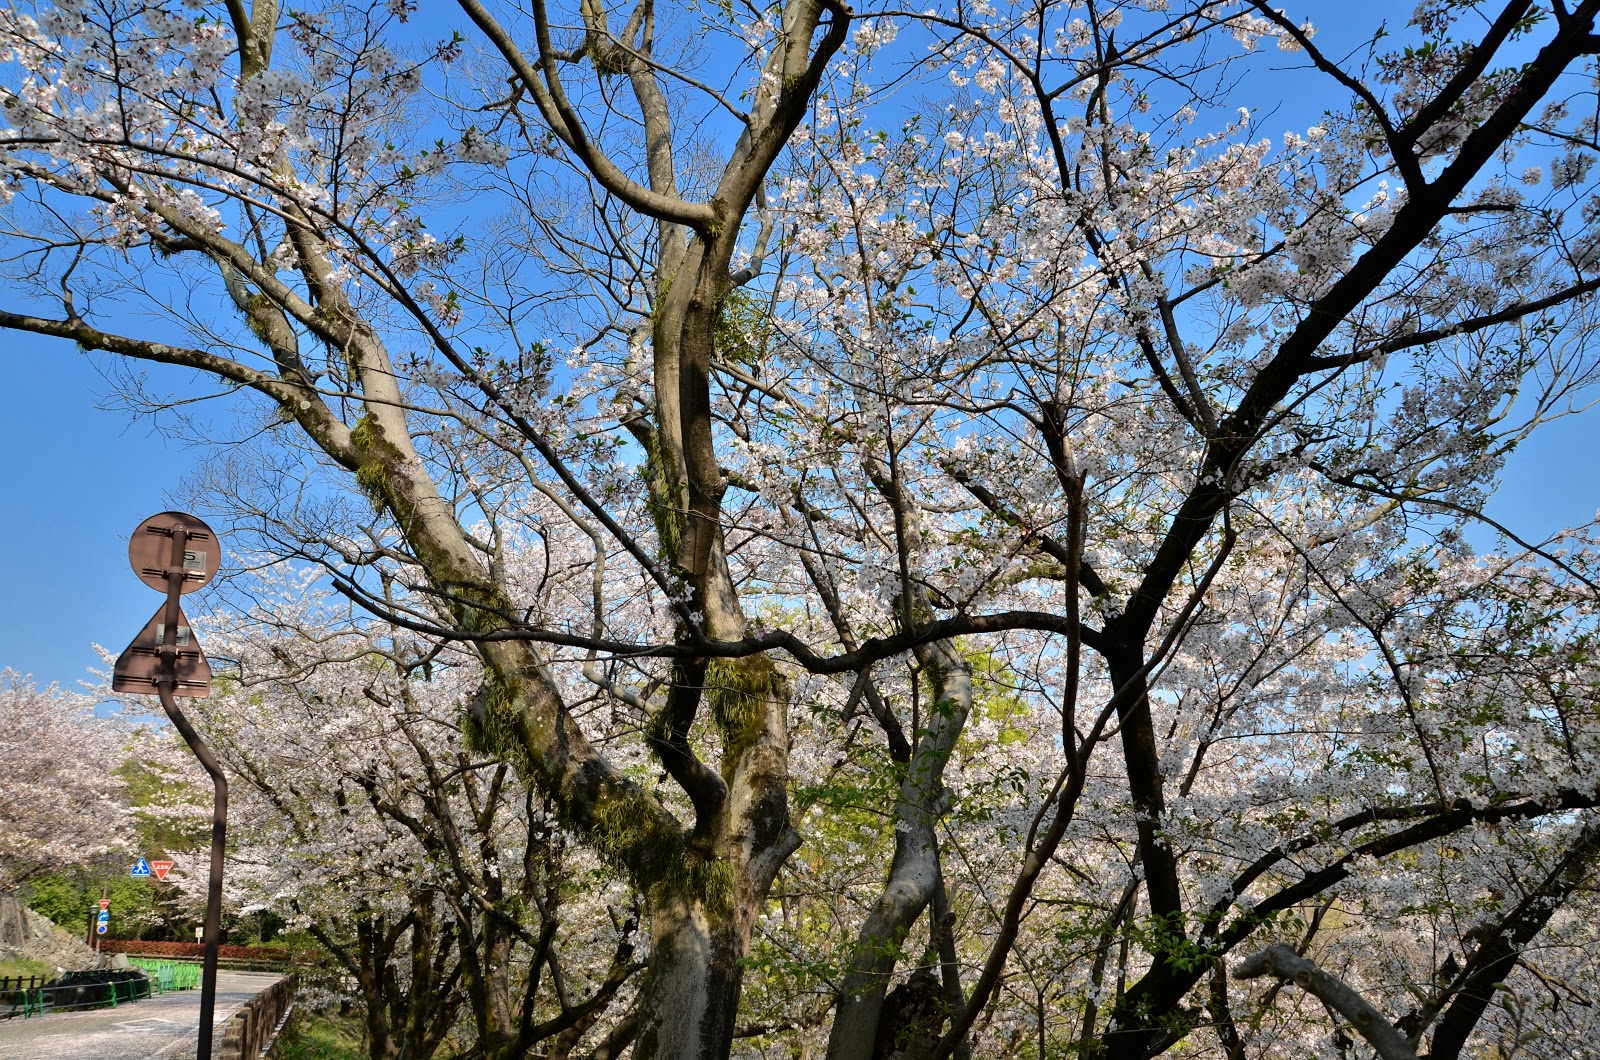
[914, 873]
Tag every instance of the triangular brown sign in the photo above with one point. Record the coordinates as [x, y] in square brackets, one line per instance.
[140, 663]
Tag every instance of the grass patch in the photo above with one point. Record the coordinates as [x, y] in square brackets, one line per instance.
[22, 967]
[320, 1036]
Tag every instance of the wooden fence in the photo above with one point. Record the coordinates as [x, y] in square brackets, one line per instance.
[19, 994]
[251, 1030]
[12, 983]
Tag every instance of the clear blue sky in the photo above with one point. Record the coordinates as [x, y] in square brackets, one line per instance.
[80, 478]
[77, 481]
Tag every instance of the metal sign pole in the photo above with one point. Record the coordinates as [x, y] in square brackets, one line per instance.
[165, 682]
[165, 658]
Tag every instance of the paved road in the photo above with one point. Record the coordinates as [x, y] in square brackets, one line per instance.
[159, 1028]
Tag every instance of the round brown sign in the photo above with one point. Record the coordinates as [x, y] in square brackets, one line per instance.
[150, 551]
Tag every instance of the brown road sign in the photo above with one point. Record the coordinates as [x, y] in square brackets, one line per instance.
[150, 551]
[140, 663]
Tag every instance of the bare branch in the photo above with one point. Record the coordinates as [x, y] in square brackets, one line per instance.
[1284, 963]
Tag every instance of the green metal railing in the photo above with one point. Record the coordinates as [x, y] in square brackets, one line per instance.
[19, 995]
[168, 975]
[35, 1000]
[74, 996]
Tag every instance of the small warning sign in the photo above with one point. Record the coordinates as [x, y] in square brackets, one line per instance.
[139, 664]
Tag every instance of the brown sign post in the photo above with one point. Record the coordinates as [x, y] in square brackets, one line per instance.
[176, 553]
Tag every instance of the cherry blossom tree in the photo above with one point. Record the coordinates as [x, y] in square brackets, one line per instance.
[891, 467]
[64, 800]
[995, 344]
[440, 888]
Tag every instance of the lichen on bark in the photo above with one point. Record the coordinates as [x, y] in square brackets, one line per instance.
[739, 692]
[371, 474]
[623, 823]
[667, 504]
[629, 833]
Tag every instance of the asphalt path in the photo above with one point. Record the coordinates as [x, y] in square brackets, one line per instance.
[158, 1028]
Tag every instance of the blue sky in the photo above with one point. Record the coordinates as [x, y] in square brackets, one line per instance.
[79, 479]
[81, 476]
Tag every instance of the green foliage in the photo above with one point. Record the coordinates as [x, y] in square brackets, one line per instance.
[711, 880]
[320, 1036]
[263, 927]
[997, 778]
[742, 327]
[995, 695]
[1167, 942]
[66, 897]
[665, 508]
[150, 793]
[371, 448]
[365, 435]
[493, 722]
[630, 834]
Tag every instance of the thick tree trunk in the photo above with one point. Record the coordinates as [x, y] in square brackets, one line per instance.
[690, 993]
[1141, 755]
